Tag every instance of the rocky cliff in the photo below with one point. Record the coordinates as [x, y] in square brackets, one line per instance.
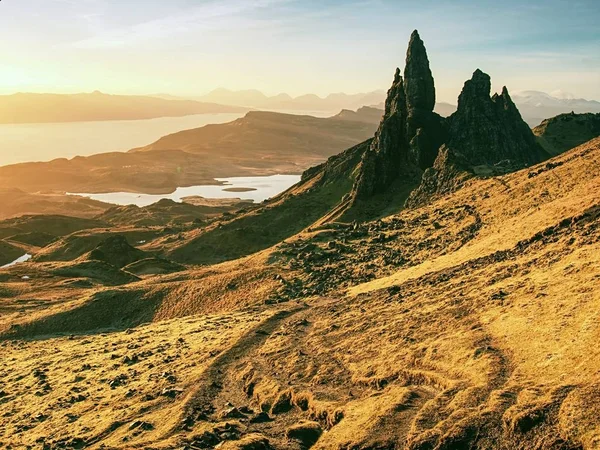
[410, 132]
[489, 130]
[486, 135]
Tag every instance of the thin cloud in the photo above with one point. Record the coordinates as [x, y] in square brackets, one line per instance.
[209, 16]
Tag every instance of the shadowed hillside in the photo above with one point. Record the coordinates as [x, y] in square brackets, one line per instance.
[566, 131]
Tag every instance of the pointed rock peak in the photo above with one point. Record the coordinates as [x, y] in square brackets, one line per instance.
[489, 131]
[416, 43]
[397, 76]
[506, 97]
[482, 79]
[395, 96]
[418, 80]
[477, 88]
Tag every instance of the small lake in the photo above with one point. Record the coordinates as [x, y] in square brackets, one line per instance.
[256, 189]
[26, 257]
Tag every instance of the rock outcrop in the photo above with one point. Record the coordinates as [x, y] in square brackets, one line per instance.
[416, 147]
[448, 173]
[489, 131]
[486, 136]
[409, 134]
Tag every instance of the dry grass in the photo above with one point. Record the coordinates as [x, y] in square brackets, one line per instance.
[485, 337]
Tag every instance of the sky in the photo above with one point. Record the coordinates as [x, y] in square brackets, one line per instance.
[189, 47]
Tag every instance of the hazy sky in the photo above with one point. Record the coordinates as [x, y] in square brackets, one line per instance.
[188, 47]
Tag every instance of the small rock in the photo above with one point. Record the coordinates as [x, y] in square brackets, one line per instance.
[261, 417]
[171, 392]
[232, 413]
[307, 433]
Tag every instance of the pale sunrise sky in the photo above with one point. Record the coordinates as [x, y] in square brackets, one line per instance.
[189, 47]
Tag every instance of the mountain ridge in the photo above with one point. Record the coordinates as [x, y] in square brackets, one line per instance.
[97, 106]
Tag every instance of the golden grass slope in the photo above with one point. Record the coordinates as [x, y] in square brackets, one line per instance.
[481, 335]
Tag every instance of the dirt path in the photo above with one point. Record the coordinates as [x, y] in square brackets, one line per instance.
[200, 404]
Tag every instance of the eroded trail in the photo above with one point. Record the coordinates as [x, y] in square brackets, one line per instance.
[200, 405]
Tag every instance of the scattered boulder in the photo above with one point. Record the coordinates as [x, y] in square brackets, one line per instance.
[307, 433]
[283, 403]
[261, 417]
[171, 392]
[232, 413]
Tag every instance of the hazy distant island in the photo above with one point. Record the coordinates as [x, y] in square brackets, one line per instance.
[534, 106]
[97, 106]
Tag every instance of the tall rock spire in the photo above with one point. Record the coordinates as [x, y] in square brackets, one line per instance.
[418, 85]
[408, 137]
[387, 156]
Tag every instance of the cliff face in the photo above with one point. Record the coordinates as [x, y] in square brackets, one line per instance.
[485, 135]
[449, 171]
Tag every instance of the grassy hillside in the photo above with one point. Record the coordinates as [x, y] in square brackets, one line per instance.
[567, 131]
[321, 189]
[465, 323]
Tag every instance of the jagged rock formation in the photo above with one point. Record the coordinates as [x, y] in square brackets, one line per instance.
[490, 131]
[485, 135]
[409, 133]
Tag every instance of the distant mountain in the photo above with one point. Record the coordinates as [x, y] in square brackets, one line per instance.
[261, 143]
[43, 108]
[308, 102]
[365, 114]
[444, 109]
[536, 106]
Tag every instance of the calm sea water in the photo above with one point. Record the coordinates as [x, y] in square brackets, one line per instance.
[262, 188]
[47, 141]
